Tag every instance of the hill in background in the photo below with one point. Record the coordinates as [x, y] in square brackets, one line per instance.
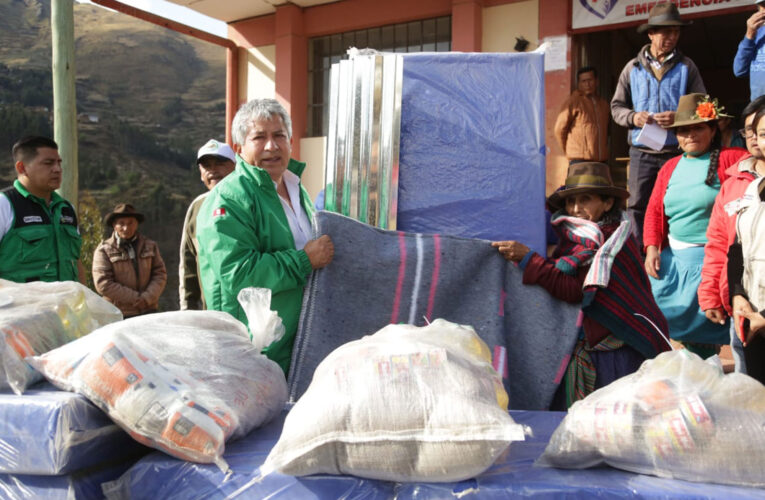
[147, 99]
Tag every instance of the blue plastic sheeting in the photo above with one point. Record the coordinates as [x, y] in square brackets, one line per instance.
[46, 431]
[161, 476]
[472, 159]
[80, 486]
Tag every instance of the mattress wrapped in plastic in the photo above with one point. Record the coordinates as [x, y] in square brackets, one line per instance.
[37, 317]
[183, 382]
[47, 432]
[472, 158]
[676, 417]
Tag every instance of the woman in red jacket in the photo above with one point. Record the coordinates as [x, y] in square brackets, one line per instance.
[676, 220]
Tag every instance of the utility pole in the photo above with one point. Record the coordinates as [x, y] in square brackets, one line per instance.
[64, 98]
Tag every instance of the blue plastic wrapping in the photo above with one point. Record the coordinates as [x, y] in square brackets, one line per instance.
[49, 432]
[160, 476]
[472, 159]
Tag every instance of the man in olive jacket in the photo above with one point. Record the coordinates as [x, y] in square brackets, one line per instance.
[254, 229]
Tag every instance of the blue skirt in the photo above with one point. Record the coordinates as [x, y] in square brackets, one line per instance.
[676, 295]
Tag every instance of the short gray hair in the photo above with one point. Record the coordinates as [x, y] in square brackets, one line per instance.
[258, 109]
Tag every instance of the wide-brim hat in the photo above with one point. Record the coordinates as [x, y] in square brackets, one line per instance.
[586, 177]
[689, 111]
[216, 148]
[123, 210]
[662, 16]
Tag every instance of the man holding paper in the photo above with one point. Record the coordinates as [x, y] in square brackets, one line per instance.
[646, 97]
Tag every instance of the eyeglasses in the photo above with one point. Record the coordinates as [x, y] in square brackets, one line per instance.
[746, 134]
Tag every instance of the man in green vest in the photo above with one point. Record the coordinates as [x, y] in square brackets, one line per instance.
[39, 236]
[254, 228]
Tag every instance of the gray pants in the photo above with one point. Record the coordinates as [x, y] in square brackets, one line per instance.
[642, 176]
[737, 348]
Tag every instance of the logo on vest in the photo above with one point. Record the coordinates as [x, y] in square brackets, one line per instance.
[66, 219]
[31, 219]
[218, 212]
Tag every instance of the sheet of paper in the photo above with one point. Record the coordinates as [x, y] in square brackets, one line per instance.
[653, 136]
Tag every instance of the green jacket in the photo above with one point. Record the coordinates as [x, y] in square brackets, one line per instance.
[245, 240]
[43, 243]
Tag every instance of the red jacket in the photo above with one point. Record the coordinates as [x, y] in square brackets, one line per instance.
[721, 232]
[656, 222]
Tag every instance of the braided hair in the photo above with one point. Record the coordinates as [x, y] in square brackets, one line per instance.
[714, 155]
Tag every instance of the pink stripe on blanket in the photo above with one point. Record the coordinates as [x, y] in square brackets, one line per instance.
[562, 368]
[401, 274]
[434, 277]
[500, 361]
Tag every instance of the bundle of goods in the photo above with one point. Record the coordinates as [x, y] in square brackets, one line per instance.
[677, 417]
[37, 317]
[405, 404]
[182, 382]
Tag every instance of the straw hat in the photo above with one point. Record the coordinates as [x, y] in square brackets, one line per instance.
[586, 177]
[662, 16]
[697, 108]
[122, 210]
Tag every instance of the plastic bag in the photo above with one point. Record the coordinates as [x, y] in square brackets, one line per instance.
[677, 417]
[37, 317]
[404, 404]
[182, 382]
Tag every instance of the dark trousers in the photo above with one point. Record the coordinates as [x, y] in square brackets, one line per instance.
[642, 176]
[754, 353]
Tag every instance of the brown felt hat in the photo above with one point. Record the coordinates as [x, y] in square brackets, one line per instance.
[661, 16]
[586, 177]
[122, 210]
[688, 111]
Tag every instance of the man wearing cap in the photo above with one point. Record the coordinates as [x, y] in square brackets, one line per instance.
[39, 237]
[648, 90]
[750, 57]
[215, 160]
[127, 268]
[254, 229]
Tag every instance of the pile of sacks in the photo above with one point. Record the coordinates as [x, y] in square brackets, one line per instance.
[677, 417]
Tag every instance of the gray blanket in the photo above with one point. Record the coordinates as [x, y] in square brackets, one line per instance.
[380, 277]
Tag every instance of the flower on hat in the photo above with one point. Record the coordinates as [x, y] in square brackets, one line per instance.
[708, 109]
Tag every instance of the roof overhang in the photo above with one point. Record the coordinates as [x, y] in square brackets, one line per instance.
[237, 10]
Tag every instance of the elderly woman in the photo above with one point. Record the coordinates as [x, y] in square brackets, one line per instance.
[127, 268]
[596, 263]
[676, 220]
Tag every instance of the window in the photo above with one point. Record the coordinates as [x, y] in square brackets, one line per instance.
[429, 35]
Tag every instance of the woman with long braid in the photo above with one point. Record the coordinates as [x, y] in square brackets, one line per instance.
[676, 220]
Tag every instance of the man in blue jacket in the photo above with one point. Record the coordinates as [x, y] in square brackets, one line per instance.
[750, 57]
[648, 90]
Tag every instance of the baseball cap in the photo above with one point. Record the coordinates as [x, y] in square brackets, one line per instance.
[215, 148]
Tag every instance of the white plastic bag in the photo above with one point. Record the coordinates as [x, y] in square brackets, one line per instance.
[37, 317]
[404, 404]
[183, 382]
[677, 417]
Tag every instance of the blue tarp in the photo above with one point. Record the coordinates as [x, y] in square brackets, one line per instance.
[472, 159]
[85, 485]
[161, 476]
[46, 432]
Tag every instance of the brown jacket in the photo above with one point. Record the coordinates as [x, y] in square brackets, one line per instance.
[115, 278]
[582, 127]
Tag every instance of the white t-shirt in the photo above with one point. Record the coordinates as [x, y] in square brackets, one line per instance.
[6, 215]
[296, 216]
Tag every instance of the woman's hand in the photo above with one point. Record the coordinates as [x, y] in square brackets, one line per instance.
[716, 315]
[652, 261]
[743, 314]
[511, 250]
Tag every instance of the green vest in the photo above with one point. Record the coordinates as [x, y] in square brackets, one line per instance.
[43, 244]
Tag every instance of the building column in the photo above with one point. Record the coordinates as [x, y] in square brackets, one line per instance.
[467, 25]
[554, 21]
[64, 97]
[291, 78]
[232, 89]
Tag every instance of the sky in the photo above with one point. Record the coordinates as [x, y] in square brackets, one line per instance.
[178, 13]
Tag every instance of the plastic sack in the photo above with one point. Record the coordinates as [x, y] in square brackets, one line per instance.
[182, 382]
[39, 316]
[676, 417]
[405, 404]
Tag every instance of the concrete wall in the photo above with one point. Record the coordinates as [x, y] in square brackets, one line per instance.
[257, 70]
[503, 23]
